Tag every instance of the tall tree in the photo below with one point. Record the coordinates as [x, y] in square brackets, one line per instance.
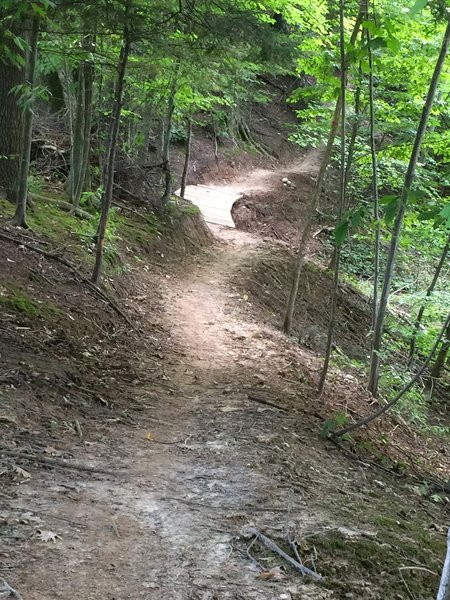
[395, 238]
[12, 79]
[19, 218]
[309, 219]
[341, 202]
[375, 186]
[112, 142]
[81, 141]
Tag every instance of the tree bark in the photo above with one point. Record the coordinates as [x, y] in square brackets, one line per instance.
[350, 154]
[439, 363]
[395, 239]
[112, 146]
[19, 218]
[81, 142]
[375, 187]
[11, 121]
[430, 290]
[342, 185]
[187, 157]
[298, 267]
[166, 149]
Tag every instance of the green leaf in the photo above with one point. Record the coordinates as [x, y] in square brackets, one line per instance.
[445, 214]
[391, 210]
[418, 7]
[428, 215]
[388, 199]
[393, 44]
[378, 42]
[341, 231]
[357, 217]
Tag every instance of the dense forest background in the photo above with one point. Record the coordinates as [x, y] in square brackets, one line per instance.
[119, 82]
[107, 107]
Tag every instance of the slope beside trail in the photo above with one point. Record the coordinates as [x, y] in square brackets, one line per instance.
[225, 439]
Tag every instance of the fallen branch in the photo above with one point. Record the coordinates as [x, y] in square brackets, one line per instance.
[224, 506]
[53, 462]
[274, 548]
[103, 295]
[266, 402]
[401, 393]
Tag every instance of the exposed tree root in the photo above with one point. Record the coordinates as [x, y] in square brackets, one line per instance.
[67, 206]
[99, 292]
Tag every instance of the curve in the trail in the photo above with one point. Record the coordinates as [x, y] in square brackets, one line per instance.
[215, 203]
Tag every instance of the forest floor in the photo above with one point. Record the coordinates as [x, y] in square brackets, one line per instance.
[225, 436]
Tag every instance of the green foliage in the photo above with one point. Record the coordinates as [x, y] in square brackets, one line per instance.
[334, 423]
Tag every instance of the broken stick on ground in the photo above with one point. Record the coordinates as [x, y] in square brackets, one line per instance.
[274, 548]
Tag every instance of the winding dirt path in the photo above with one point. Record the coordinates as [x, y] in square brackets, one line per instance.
[206, 458]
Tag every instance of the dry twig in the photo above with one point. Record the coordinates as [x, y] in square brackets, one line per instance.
[53, 462]
[274, 548]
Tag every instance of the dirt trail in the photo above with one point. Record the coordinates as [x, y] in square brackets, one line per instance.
[204, 459]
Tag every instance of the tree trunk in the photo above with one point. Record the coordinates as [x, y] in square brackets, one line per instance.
[81, 142]
[298, 267]
[350, 154]
[375, 189]
[187, 157]
[430, 290]
[19, 218]
[66, 80]
[439, 363]
[342, 184]
[409, 177]
[11, 122]
[385, 407]
[166, 150]
[112, 146]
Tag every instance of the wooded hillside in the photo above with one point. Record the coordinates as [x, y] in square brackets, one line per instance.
[133, 325]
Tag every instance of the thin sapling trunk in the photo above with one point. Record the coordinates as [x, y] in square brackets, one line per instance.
[341, 205]
[375, 187]
[187, 157]
[298, 267]
[112, 147]
[430, 290]
[395, 238]
[166, 148]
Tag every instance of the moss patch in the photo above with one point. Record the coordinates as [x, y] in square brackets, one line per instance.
[16, 300]
[402, 555]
